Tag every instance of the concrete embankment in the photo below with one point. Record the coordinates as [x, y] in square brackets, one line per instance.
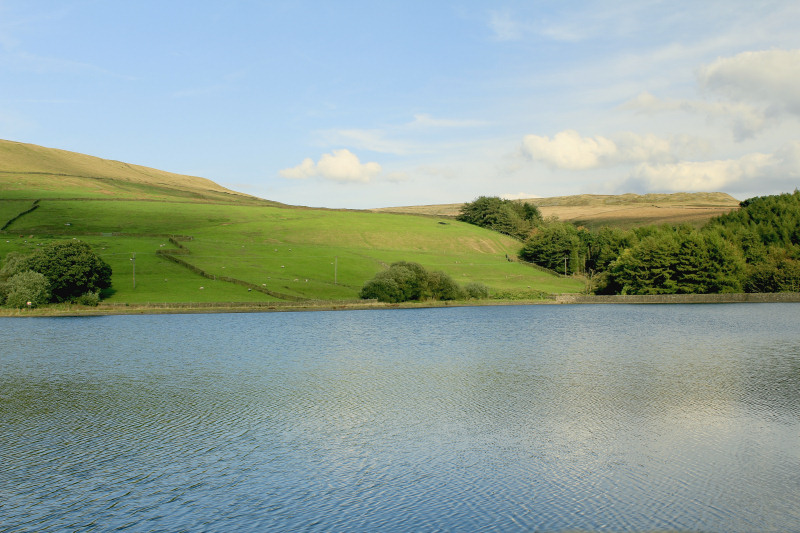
[776, 297]
[255, 307]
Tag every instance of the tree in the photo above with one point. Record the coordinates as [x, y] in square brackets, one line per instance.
[648, 267]
[550, 244]
[71, 268]
[779, 273]
[27, 289]
[606, 246]
[14, 263]
[726, 262]
[504, 216]
[693, 270]
[382, 288]
[404, 281]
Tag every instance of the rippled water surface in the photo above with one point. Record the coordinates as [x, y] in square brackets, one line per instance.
[617, 418]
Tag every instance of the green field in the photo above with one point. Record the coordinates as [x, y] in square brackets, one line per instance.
[301, 253]
[132, 216]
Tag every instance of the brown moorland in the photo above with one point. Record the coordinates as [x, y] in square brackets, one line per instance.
[623, 211]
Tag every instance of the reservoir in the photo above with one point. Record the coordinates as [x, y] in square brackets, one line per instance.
[508, 418]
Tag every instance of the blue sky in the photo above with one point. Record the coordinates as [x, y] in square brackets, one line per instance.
[373, 104]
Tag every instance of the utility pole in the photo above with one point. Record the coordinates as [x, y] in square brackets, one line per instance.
[133, 259]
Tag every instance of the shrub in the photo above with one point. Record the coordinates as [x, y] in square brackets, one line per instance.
[27, 287]
[90, 299]
[476, 291]
[404, 281]
[383, 289]
[442, 287]
[71, 267]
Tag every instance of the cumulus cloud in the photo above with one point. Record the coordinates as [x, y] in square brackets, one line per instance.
[771, 77]
[779, 169]
[569, 150]
[745, 119]
[756, 90]
[341, 165]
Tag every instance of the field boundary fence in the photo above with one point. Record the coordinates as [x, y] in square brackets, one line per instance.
[31, 209]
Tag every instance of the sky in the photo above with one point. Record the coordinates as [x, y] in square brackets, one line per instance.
[368, 104]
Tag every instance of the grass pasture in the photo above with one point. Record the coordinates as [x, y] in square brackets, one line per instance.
[301, 253]
[278, 252]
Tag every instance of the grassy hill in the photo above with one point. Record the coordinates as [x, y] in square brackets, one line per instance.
[28, 169]
[624, 211]
[186, 239]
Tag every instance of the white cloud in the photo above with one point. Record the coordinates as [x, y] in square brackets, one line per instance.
[771, 77]
[569, 150]
[306, 169]
[745, 120]
[372, 140]
[777, 170]
[341, 165]
[759, 89]
[399, 139]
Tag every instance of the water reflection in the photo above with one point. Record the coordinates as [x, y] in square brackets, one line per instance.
[518, 418]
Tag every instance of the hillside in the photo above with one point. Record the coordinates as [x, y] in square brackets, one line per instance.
[35, 172]
[202, 243]
[624, 211]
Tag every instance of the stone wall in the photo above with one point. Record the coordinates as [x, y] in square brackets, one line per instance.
[678, 298]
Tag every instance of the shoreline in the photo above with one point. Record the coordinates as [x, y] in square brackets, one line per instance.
[69, 310]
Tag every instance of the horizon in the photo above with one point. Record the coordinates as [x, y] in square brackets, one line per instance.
[364, 106]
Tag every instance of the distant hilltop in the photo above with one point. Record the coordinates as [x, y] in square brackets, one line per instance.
[622, 210]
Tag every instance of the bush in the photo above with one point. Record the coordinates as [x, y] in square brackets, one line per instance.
[404, 281]
[27, 287]
[442, 287]
[90, 299]
[476, 291]
[383, 289]
[71, 267]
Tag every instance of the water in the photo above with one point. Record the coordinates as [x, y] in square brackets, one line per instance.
[543, 418]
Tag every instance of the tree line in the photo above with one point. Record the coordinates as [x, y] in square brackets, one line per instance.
[753, 249]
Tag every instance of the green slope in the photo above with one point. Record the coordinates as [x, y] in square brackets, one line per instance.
[28, 169]
[275, 252]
